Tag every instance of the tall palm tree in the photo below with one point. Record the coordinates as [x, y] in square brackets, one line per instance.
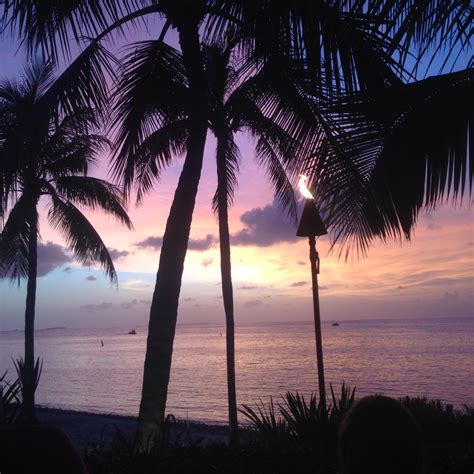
[48, 157]
[349, 46]
[261, 99]
[239, 104]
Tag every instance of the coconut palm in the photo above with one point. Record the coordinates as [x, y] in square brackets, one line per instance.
[50, 25]
[48, 155]
[243, 97]
[417, 134]
[348, 47]
[239, 106]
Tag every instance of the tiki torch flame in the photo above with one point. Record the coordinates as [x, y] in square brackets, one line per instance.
[302, 186]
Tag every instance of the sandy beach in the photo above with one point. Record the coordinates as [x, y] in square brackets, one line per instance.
[84, 428]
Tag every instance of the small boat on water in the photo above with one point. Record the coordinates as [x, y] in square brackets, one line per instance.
[132, 331]
[335, 323]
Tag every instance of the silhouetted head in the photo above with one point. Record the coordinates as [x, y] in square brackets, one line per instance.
[378, 435]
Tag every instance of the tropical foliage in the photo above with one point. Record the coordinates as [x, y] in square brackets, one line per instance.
[10, 399]
[261, 99]
[269, 445]
[355, 53]
[45, 153]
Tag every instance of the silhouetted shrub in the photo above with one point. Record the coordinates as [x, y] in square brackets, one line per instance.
[10, 399]
[294, 436]
[448, 435]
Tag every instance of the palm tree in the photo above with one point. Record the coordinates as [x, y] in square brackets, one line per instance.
[262, 100]
[238, 104]
[48, 156]
[418, 134]
[348, 46]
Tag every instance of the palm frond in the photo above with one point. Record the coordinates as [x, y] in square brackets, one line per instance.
[422, 28]
[279, 92]
[49, 26]
[95, 194]
[410, 145]
[73, 155]
[156, 152]
[151, 93]
[14, 242]
[341, 42]
[272, 428]
[21, 116]
[23, 373]
[80, 235]
[83, 84]
[228, 157]
[274, 137]
[276, 173]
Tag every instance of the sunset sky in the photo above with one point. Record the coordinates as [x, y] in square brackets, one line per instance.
[431, 276]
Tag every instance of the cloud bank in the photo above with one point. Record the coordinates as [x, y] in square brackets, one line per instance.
[264, 227]
[198, 245]
[118, 254]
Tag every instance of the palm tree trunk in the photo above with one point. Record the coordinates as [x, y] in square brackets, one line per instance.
[28, 381]
[164, 306]
[227, 291]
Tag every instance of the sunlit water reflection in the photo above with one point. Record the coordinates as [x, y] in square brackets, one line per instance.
[428, 357]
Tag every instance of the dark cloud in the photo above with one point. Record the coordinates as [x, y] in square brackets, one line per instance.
[145, 302]
[400, 287]
[67, 270]
[470, 244]
[198, 245]
[207, 261]
[264, 227]
[96, 307]
[202, 244]
[299, 283]
[188, 299]
[323, 287]
[300, 262]
[248, 287]
[150, 243]
[432, 226]
[91, 278]
[129, 305]
[118, 254]
[51, 256]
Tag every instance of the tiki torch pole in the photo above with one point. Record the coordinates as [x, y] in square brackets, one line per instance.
[314, 259]
[312, 226]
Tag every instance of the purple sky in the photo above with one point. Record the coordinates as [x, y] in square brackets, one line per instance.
[432, 276]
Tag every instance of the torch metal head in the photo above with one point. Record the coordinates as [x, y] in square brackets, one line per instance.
[311, 224]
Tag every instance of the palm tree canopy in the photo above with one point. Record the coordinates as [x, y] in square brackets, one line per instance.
[44, 153]
[267, 102]
[403, 148]
[347, 46]
[263, 99]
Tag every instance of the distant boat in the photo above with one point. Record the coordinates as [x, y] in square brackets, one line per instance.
[132, 331]
[335, 324]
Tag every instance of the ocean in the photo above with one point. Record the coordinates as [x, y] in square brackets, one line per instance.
[397, 358]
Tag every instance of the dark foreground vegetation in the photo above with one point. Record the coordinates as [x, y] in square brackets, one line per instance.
[293, 436]
[289, 436]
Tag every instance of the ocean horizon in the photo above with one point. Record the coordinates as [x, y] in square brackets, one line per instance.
[404, 357]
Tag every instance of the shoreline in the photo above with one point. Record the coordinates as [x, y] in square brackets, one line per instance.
[84, 427]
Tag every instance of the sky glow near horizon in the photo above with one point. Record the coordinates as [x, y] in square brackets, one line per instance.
[431, 276]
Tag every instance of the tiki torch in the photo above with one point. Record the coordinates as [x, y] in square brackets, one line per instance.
[312, 226]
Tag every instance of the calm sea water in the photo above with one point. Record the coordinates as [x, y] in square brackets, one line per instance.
[425, 357]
